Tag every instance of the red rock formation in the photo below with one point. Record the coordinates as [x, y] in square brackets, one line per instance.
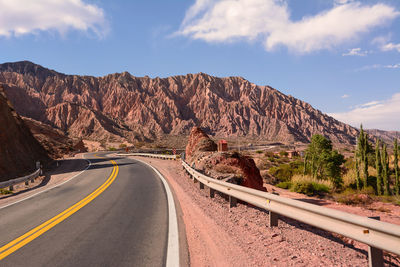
[198, 142]
[56, 143]
[80, 146]
[243, 166]
[19, 150]
[155, 107]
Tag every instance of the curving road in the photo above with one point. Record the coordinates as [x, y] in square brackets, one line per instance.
[113, 214]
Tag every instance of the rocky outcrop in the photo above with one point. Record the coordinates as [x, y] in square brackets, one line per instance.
[124, 106]
[229, 166]
[198, 142]
[80, 146]
[19, 150]
[244, 167]
[56, 143]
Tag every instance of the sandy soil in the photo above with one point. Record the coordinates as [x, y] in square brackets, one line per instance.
[240, 236]
[67, 168]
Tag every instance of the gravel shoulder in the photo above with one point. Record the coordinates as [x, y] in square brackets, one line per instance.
[67, 169]
[219, 236]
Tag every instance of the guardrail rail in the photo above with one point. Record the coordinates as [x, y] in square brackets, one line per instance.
[376, 234]
[26, 179]
[150, 155]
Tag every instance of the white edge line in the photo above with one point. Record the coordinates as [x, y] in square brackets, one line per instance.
[47, 189]
[173, 234]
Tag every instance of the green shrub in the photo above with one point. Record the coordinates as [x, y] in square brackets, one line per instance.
[285, 172]
[259, 151]
[5, 192]
[283, 153]
[310, 188]
[284, 185]
[112, 148]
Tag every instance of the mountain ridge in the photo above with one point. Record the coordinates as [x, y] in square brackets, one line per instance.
[152, 107]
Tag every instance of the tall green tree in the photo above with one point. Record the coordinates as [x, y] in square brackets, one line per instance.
[363, 148]
[378, 168]
[385, 170]
[358, 179]
[396, 168]
[325, 162]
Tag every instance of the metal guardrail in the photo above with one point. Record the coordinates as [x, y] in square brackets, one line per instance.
[11, 183]
[150, 155]
[378, 235]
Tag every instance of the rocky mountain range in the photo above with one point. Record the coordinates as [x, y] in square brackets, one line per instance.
[19, 150]
[120, 106]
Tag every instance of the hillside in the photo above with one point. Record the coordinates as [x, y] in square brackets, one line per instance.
[121, 106]
[19, 150]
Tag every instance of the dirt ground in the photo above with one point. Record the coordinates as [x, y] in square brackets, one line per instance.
[219, 236]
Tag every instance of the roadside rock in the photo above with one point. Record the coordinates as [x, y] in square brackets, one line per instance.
[198, 142]
[19, 150]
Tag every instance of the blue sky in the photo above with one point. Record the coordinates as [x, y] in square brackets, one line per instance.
[341, 56]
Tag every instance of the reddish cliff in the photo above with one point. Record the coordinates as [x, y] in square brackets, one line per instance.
[198, 142]
[118, 104]
[19, 150]
[230, 166]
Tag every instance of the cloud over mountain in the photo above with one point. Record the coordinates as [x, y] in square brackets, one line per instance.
[269, 21]
[19, 17]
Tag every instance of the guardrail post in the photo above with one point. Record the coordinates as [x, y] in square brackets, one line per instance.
[375, 255]
[11, 188]
[201, 185]
[27, 182]
[212, 193]
[232, 202]
[273, 219]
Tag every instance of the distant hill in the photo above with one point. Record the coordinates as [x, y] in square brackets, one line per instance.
[124, 107]
[386, 136]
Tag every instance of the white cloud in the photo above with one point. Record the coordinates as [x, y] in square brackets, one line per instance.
[345, 96]
[379, 66]
[375, 114]
[228, 20]
[356, 52]
[342, 2]
[390, 46]
[19, 17]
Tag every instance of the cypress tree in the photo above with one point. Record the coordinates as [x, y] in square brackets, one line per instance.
[305, 165]
[396, 167]
[365, 151]
[385, 172]
[378, 168]
[358, 179]
[362, 147]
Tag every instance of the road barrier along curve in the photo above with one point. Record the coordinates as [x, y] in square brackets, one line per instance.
[26, 179]
[378, 235]
[150, 155]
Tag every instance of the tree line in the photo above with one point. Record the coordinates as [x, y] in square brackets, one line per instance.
[364, 157]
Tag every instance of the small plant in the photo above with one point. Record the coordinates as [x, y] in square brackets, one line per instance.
[259, 151]
[5, 192]
[122, 146]
[310, 188]
[283, 153]
[112, 148]
[284, 185]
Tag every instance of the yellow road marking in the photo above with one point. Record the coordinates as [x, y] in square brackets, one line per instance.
[44, 227]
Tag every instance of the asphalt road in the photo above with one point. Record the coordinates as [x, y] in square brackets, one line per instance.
[124, 225]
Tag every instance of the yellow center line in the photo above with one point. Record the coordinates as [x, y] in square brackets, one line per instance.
[44, 227]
